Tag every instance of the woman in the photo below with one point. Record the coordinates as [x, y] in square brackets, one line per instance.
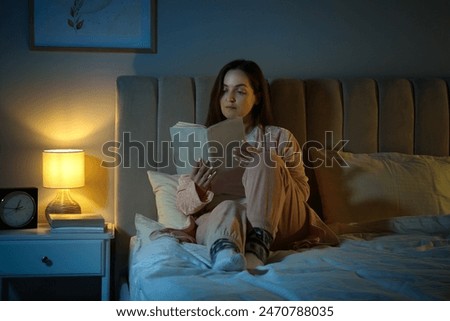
[264, 206]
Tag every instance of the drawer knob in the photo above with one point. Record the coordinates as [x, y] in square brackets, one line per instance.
[47, 261]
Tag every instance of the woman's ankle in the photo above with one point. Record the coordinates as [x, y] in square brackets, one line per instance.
[226, 256]
[252, 261]
[258, 243]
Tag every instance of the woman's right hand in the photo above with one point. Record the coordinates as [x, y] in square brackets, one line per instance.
[202, 175]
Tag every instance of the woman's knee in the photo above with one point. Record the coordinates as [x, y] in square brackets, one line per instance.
[229, 207]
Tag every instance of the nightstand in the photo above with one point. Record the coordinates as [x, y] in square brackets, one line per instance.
[45, 255]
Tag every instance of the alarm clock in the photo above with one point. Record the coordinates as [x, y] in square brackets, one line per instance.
[18, 208]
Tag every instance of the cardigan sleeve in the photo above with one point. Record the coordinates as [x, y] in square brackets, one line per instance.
[188, 200]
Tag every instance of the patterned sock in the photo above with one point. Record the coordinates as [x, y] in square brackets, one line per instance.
[225, 256]
[258, 243]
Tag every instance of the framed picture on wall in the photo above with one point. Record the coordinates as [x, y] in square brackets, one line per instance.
[93, 25]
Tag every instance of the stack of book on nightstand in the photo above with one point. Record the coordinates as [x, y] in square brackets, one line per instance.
[81, 223]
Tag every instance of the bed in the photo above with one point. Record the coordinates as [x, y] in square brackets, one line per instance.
[376, 152]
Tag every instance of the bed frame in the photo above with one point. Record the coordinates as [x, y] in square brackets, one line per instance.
[374, 115]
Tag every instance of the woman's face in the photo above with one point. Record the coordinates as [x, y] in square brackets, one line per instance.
[238, 97]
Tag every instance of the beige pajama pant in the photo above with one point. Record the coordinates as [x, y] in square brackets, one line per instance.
[273, 202]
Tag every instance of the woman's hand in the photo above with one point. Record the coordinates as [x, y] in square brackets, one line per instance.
[202, 175]
[247, 155]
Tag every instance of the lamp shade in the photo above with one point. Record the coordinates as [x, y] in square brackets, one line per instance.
[63, 168]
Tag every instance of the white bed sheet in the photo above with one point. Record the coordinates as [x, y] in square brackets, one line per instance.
[411, 262]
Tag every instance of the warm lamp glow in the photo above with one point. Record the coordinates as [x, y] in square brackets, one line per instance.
[63, 169]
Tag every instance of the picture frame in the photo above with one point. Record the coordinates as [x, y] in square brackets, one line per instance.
[94, 25]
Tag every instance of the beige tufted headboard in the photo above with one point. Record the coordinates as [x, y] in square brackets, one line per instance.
[385, 115]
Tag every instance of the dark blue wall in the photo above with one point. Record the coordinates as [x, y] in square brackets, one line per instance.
[67, 99]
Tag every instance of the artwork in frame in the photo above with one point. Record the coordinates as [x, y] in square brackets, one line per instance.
[93, 25]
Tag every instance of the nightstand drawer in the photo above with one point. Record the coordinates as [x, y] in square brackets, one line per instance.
[57, 257]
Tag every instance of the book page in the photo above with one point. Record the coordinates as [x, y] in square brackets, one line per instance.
[223, 137]
[187, 143]
[192, 142]
[186, 124]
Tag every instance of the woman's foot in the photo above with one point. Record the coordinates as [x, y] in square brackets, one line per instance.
[252, 261]
[229, 260]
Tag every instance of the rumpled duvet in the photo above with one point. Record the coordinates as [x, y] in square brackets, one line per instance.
[404, 258]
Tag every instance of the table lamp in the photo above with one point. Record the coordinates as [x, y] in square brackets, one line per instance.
[63, 169]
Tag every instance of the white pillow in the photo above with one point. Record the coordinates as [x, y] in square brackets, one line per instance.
[144, 227]
[381, 185]
[165, 190]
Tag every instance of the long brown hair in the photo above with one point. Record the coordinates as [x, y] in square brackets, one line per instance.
[261, 113]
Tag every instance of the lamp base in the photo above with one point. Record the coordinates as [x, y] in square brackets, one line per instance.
[62, 204]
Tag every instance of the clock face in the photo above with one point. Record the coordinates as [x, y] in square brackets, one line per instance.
[17, 209]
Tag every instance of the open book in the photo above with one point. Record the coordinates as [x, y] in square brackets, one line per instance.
[192, 142]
